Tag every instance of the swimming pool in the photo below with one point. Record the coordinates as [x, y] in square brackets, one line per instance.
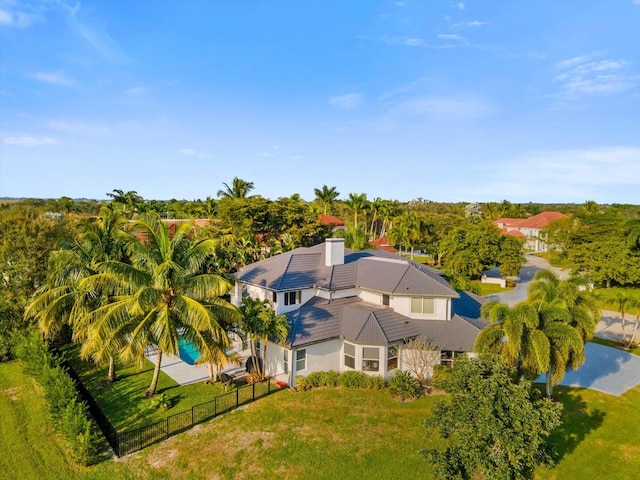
[187, 351]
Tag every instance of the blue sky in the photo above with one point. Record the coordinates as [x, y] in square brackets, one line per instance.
[449, 101]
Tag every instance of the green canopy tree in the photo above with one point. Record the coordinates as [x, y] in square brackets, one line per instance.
[160, 297]
[490, 426]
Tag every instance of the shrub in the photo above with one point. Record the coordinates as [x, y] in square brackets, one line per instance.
[330, 379]
[376, 382]
[161, 401]
[253, 377]
[353, 380]
[402, 386]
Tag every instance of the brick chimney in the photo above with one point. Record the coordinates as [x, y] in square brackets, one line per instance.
[334, 251]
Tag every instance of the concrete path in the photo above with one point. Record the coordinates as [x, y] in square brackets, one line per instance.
[605, 369]
[185, 374]
[528, 270]
[610, 326]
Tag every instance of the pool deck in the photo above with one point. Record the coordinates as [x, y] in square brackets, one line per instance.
[185, 374]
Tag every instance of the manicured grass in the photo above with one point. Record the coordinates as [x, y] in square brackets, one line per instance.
[490, 288]
[323, 434]
[611, 343]
[606, 298]
[30, 448]
[124, 403]
[599, 437]
[554, 258]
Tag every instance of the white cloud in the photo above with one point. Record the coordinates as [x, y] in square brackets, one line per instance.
[459, 6]
[11, 17]
[135, 91]
[57, 79]
[96, 36]
[476, 23]
[349, 101]
[30, 141]
[402, 4]
[443, 108]
[563, 175]
[584, 75]
[410, 42]
[189, 152]
[450, 36]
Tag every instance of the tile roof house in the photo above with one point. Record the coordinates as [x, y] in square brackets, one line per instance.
[333, 222]
[353, 310]
[529, 228]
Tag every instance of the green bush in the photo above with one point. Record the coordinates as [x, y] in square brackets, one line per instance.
[68, 412]
[353, 379]
[330, 379]
[376, 382]
[402, 386]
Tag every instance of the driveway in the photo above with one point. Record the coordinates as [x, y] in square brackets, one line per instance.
[605, 369]
[528, 270]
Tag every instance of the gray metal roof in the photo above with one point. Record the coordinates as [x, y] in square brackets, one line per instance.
[360, 322]
[369, 269]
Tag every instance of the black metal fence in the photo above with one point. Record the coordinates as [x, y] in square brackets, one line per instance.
[130, 441]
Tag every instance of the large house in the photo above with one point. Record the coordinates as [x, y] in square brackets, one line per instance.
[529, 228]
[353, 310]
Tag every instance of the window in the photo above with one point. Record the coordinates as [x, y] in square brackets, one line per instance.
[385, 299]
[422, 305]
[301, 360]
[349, 355]
[291, 298]
[285, 358]
[392, 357]
[274, 297]
[370, 359]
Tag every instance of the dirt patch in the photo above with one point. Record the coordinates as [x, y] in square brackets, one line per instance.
[161, 457]
[12, 393]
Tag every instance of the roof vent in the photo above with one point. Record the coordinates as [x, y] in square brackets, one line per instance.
[334, 252]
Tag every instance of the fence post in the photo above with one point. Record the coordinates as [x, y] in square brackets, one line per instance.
[237, 397]
[268, 387]
[167, 428]
[192, 416]
[254, 392]
[215, 406]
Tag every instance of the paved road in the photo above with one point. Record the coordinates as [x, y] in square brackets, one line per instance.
[605, 369]
[528, 270]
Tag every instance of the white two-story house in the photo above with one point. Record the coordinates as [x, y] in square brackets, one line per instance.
[353, 310]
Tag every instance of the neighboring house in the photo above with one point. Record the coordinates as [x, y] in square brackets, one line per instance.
[353, 310]
[383, 244]
[333, 222]
[529, 228]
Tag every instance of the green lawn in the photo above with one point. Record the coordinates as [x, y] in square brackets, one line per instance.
[123, 402]
[490, 288]
[322, 434]
[607, 298]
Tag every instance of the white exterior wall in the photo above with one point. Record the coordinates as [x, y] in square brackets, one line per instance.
[274, 361]
[349, 292]
[320, 358]
[442, 310]
[280, 307]
[371, 297]
[258, 292]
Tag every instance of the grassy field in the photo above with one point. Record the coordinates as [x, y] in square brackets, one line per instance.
[123, 402]
[606, 298]
[322, 434]
[490, 288]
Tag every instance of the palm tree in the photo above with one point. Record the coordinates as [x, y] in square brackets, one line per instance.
[326, 196]
[251, 309]
[160, 297]
[61, 300]
[217, 354]
[388, 210]
[634, 304]
[239, 189]
[272, 327]
[622, 301]
[399, 234]
[376, 204]
[355, 238]
[130, 198]
[358, 204]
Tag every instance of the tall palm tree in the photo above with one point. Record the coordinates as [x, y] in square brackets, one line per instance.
[388, 210]
[357, 203]
[217, 354]
[376, 204]
[634, 305]
[399, 234]
[239, 189]
[326, 196]
[61, 300]
[273, 327]
[130, 199]
[622, 302]
[160, 297]
[251, 310]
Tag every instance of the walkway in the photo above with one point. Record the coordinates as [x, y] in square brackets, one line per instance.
[185, 374]
[605, 369]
